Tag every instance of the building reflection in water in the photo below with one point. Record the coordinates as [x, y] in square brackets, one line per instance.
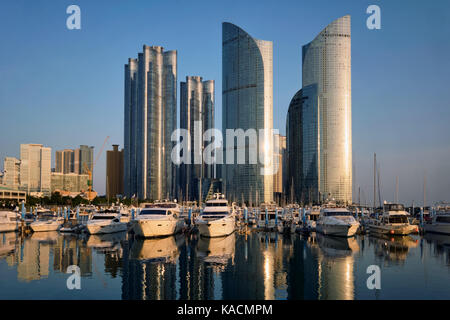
[255, 266]
[33, 256]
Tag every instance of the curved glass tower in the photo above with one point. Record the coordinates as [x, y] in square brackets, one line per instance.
[327, 67]
[247, 103]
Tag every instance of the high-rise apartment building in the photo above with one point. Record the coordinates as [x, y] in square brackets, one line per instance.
[74, 161]
[114, 172]
[196, 109]
[150, 118]
[247, 103]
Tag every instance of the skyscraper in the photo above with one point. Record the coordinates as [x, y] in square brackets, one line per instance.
[35, 168]
[150, 118]
[114, 172]
[196, 105]
[321, 117]
[247, 103]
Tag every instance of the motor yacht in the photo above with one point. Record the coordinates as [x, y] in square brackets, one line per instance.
[334, 221]
[9, 221]
[105, 221]
[440, 222]
[217, 218]
[393, 221]
[46, 221]
[158, 220]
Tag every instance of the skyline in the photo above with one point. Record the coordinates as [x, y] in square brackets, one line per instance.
[411, 48]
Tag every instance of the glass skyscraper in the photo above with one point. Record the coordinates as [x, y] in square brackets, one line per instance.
[247, 103]
[326, 120]
[150, 118]
[196, 104]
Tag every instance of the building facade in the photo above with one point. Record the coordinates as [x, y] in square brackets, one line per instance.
[114, 172]
[69, 182]
[11, 173]
[150, 118]
[35, 168]
[196, 108]
[74, 160]
[326, 119]
[247, 103]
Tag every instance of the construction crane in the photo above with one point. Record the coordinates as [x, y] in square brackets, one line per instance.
[89, 171]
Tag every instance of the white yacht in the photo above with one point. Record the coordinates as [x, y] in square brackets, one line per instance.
[393, 221]
[9, 221]
[334, 221]
[105, 222]
[217, 218]
[158, 220]
[440, 222]
[46, 221]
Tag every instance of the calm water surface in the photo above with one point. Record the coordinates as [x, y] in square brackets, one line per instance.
[256, 266]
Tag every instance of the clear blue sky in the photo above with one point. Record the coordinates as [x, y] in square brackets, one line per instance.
[63, 88]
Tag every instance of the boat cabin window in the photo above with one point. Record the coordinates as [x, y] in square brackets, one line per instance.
[98, 217]
[337, 213]
[394, 207]
[216, 204]
[153, 212]
[443, 219]
[211, 213]
[398, 219]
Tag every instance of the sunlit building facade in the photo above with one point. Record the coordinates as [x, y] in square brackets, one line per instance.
[247, 103]
[35, 168]
[150, 118]
[11, 168]
[326, 114]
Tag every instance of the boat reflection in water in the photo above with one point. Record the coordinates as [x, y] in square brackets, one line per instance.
[156, 250]
[336, 275]
[150, 269]
[393, 249]
[217, 252]
[106, 242]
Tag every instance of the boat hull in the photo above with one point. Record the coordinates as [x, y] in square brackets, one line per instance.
[9, 227]
[338, 230]
[392, 230]
[45, 227]
[437, 228]
[216, 228]
[109, 228]
[157, 228]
